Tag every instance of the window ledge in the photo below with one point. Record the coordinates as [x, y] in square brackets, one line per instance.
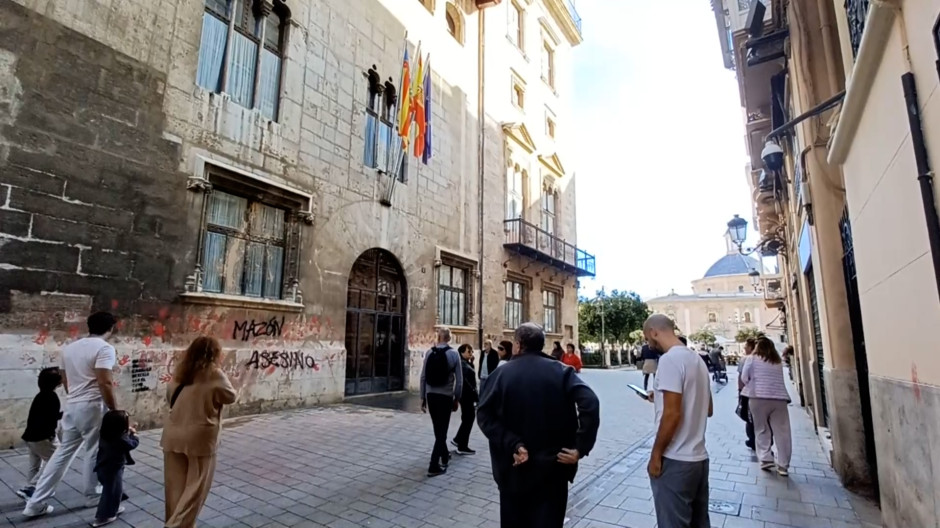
[238, 301]
[457, 328]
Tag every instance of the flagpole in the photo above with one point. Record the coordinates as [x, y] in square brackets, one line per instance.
[393, 171]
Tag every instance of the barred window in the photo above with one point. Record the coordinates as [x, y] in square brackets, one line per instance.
[241, 52]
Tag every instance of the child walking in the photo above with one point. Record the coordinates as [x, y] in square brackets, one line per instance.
[117, 441]
[44, 414]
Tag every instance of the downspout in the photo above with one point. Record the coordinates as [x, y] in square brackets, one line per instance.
[480, 161]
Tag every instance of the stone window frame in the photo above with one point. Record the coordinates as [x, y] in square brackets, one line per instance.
[446, 257]
[455, 22]
[516, 35]
[747, 317]
[381, 122]
[526, 283]
[516, 173]
[559, 293]
[258, 11]
[551, 124]
[298, 205]
[712, 317]
[517, 87]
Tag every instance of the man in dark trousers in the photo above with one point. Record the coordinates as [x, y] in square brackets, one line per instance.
[489, 360]
[441, 387]
[468, 402]
[540, 419]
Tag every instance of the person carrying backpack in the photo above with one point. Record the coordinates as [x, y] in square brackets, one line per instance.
[441, 387]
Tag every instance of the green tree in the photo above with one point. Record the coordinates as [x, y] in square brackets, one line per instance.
[745, 333]
[635, 337]
[705, 336]
[623, 313]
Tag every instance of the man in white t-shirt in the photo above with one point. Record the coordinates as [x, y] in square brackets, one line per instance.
[86, 375]
[678, 466]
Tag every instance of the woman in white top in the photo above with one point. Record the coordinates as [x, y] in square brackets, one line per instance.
[766, 390]
[505, 352]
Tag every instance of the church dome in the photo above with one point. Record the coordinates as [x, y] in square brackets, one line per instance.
[733, 264]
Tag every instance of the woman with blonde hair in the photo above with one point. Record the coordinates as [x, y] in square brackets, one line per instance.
[196, 395]
[762, 377]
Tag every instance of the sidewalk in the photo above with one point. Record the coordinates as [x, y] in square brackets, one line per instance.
[741, 495]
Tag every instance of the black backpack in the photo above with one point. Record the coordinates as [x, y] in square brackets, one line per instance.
[437, 369]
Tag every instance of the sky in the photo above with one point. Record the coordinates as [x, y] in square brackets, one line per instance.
[660, 152]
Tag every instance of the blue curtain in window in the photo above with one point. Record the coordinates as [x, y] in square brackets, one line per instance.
[241, 77]
[269, 88]
[254, 268]
[211, 53]
[213, 260]
[368, 158]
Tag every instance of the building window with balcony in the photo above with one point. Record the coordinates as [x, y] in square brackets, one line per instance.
[382, 149]
[712, 317]
[548, 63]
[452, 303]
[550, 306]
[454, 22]
[515, 304]
[548, 211]
[241, 52]
[516, 25]
[515, 194]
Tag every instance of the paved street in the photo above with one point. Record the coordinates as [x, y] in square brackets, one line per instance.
[353, 465]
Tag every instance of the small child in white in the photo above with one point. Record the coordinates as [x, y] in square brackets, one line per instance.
[40, 434]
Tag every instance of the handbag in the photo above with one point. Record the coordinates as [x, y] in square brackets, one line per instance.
[743, 408]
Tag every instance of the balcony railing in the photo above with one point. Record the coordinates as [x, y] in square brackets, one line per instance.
[539, 244]
[573, 11]
[856, 11]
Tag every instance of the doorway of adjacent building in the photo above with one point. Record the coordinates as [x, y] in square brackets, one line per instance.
[817, 341]
[858, 342]
[375, 324]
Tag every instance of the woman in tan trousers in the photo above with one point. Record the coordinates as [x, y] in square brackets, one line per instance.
[191, 432]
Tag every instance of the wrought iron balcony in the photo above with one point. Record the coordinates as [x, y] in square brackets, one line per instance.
[856, 11]
[533, 241]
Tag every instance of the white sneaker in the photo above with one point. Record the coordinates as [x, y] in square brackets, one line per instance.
[37, 510]
[102, 522]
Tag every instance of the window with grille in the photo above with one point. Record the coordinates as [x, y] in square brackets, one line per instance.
[244, 247]
[551, 309]
[241, 52]
[515, 304]
[452, 296]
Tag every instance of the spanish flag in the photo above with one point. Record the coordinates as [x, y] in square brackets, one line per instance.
[404, 101]
[417, 105]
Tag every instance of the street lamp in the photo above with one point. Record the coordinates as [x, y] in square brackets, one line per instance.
[773, 243]
[737, 228]
[754, 275]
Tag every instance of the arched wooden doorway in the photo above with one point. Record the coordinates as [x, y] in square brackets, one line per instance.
[375, 325]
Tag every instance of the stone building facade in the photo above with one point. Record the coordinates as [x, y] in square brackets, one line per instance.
[848, 91]
[220, 168]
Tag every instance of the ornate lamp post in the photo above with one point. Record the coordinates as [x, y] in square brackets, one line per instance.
[754, 276]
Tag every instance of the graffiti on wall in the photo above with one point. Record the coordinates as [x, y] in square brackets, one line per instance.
[140, 375]
[295, 359]
[245, 330]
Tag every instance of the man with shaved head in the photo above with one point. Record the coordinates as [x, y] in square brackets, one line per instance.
[540, 419]
[678, 466]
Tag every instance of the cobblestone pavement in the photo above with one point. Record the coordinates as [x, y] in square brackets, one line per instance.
[350, 465]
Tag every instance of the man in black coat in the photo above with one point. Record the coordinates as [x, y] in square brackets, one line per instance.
[540, 419]
[489, 360]
[468, 401]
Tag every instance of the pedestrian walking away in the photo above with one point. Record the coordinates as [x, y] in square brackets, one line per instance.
[117, 441]
[441, 387]
[743, 400]
[41, 423]
[540, 419]
[571, 359]
[650, 359]
[468, 401]
[86, 370]
[766, 389]
[191, 430]
[678, 466]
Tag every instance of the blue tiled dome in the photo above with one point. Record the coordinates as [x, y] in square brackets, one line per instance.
[734, 264]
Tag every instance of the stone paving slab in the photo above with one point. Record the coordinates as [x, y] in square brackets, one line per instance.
[357, 466]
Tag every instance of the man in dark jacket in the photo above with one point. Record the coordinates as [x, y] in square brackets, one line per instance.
[540, 419]
[489, 360]
[468, 402]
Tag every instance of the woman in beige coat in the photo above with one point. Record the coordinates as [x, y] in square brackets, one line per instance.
[191, 432]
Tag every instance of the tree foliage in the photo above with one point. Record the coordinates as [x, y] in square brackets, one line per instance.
[635, 337]
[623, 313]
[705, 336]
[745, 333]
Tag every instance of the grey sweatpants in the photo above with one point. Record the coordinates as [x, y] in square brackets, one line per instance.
[680, 494]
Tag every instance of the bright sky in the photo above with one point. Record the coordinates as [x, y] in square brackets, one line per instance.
[660, 162]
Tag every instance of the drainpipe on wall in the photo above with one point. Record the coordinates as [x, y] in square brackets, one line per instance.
[481, 14]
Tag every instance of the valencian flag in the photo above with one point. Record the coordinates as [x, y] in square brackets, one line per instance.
[426, 155]
[404, 111]
[417, 107]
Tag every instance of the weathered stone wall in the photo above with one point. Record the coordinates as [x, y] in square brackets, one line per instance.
[101, 126]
